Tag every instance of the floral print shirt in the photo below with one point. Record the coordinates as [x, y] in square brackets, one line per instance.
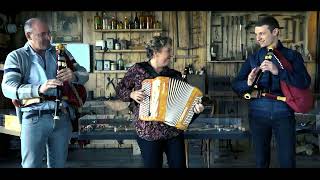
[148, 130]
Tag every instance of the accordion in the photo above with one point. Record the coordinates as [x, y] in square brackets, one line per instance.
[169, 100]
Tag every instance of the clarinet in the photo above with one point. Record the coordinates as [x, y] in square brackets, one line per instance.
[61, 64]
[254, 85]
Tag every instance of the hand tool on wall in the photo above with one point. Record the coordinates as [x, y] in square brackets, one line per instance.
[252, 45]
[300, 28]
[241, 44]
[227, 36]
[286, 27]
[293, 30]
[232, 24]
[110, 82]
[246, 27]
[222, 26]
[236, 39]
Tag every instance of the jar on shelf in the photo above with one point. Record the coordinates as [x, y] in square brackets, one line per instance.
[113, 66]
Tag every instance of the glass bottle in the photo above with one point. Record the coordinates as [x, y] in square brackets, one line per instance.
[136, 22]
[120, 63]
[113, 23]
[158, 25]
[97, 21]
[151, 21]
[142, 21]
[185, 72]
[190, 69]
[147, 21]
[126, 23]
[104, 20]
[120, 25]
[131, 23]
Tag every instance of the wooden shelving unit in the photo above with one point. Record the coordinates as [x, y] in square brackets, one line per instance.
[128, 30]
[226, 61]
[122, 51]
[109, 72]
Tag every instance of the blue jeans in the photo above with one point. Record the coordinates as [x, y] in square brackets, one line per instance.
[152, 152]
[284, 131]
[268, 117]
[39, 136]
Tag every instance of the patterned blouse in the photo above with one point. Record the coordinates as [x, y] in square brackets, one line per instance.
[148, 130]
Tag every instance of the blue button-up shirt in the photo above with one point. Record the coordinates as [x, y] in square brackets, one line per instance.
[299, 78]
[41, 70]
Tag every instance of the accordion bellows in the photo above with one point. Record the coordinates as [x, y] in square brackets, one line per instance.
[169, 100]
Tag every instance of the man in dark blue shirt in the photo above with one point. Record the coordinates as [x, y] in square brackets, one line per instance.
[268, 116]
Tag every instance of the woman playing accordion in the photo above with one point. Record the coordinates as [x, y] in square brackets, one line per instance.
[155, 137]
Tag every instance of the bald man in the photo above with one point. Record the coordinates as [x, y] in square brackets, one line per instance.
[31, 72]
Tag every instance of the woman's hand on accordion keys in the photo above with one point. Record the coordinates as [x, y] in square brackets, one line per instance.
[65, 74]
[138, 95]
[198, 108]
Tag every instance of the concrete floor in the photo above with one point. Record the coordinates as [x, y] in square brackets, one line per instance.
[123, 158]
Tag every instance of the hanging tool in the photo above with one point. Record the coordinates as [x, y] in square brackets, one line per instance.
[232, 23]
[222, 26]
[293, 30]
[110, 82]
[300, 19]
[252, 39]
[236, 39]
[227, 36]
[286, 27]
[241, 44]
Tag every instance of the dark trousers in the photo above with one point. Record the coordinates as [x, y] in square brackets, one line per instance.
[284, 130]
[152, 152]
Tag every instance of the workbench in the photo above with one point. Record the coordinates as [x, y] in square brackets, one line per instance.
[200, 129]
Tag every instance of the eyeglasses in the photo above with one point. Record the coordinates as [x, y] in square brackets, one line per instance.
[43, 34]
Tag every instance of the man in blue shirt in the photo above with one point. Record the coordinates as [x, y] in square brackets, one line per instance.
[268, 116]
[31, 72]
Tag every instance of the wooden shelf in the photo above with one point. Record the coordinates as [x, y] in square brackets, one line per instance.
[241, 61]
[109, 72]
[227, 61]
[185, 56]
[128, 30]
[122, 51]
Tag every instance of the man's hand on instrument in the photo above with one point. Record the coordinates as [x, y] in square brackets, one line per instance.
[65, 74]
[198, 108]
[268, 65]
[49, 84]
[138, 95]
[252, 76]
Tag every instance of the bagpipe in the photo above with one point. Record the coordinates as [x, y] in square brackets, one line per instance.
[74, 94]
[300, 100]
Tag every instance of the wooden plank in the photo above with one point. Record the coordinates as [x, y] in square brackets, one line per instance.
[312, 33]
[100, 85]
[183, 32]
[91, 83]
[88, 25]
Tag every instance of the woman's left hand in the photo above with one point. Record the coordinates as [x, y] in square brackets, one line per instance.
[198, 108]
